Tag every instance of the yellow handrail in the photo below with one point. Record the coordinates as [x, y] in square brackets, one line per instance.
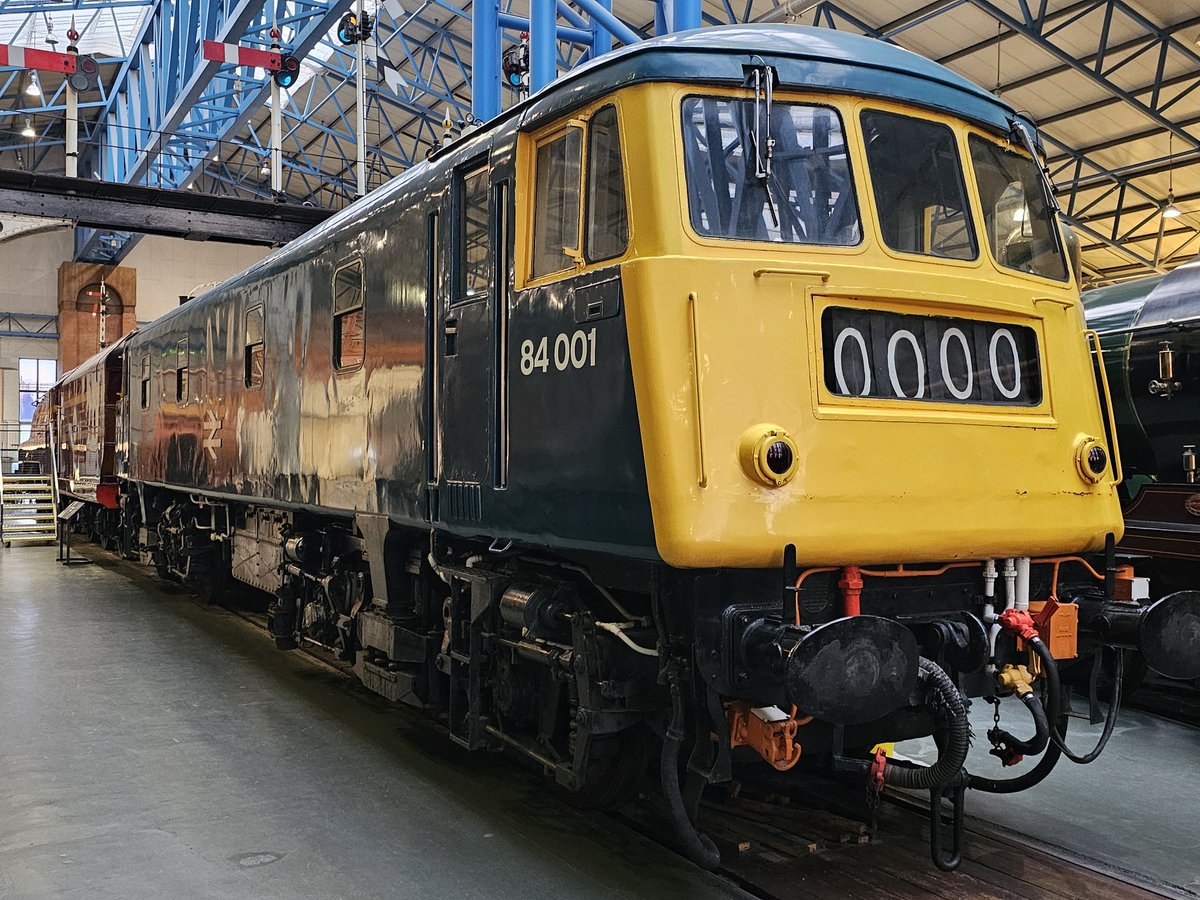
[1094, 339]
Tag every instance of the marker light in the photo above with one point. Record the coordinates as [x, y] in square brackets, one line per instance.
[768, 455]
[1091, 459]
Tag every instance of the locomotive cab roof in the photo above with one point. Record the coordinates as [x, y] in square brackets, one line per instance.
[802, 57]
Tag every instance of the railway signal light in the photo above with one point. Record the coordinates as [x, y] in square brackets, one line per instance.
[514, 62]
[351, 31]
[289, 71]
[86, 76]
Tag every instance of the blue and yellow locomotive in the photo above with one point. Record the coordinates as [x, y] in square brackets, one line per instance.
[735, 385]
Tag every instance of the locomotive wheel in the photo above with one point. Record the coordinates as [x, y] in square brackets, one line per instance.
[162, 569]
[615, 770]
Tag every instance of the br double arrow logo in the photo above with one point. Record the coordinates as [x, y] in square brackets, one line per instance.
[212, 424]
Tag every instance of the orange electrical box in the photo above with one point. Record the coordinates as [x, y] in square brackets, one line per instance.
[1061, 633]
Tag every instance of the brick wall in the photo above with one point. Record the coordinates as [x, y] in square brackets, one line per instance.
[78, 320]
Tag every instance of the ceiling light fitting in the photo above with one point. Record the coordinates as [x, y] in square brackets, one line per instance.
[27, 131]
[1171, 211]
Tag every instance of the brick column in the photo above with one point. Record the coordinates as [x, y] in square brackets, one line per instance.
[78, 321]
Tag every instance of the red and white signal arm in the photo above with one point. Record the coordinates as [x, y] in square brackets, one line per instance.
[215, 51]
[43, 60]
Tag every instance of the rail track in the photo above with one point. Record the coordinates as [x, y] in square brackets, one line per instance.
[1175, 700]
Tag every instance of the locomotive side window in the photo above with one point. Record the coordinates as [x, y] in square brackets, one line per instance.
[349, 339]
[556, 203]
[919, 190]
[1020, 225]
[145, 382]
[802, 192]
[181, 372]
[607, 222]
[254, 347]
[474, 245]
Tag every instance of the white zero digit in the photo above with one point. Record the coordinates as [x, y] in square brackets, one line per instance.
[562, 352]
[579, 349]
[911, 338]
[993, 358]
[947, 378]
[839, 373]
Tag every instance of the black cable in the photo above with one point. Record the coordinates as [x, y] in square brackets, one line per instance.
[1110, 720]
[698, 847]
[950, 762]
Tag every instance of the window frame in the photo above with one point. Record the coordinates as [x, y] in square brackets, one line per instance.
[574, 254]
[969, 194]
[248, 345]
[182, 375]
[843, 110]
[336, 315]
[145, 378]
[25, 426]
[459, 268]
[986, 229]
[585, 216]
[526, 208]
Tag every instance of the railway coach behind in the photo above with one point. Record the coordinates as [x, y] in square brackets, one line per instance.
[775, 427]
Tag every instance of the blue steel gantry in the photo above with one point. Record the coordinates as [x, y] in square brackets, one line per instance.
[166, 117]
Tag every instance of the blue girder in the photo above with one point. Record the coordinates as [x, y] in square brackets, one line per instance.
[170, 118]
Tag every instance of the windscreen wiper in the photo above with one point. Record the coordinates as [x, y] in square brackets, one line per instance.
[764, 149]
[1023, 133]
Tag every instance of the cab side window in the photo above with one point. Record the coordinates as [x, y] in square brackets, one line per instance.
[607, 222]
[349, 334]
[474, 237]
[254, 348]
[556, 195]
[579, 201]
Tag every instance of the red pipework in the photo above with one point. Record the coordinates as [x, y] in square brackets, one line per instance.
[851, 585]
[1018, 622]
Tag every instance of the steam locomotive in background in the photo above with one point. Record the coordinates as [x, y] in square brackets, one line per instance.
[769, 439]
[1150, 332]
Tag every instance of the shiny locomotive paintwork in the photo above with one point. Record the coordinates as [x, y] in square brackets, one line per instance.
[466, 522]
[321, 440]
[85, 405]
[607, 456]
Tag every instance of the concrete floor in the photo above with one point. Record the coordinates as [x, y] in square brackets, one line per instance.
[151, 746]
[1136, 808]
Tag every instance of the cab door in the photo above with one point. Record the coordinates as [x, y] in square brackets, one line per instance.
[471, 329]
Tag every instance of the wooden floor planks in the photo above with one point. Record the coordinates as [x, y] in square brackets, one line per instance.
[787, 849]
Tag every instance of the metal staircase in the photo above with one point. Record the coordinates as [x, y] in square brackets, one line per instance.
[26, 509]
